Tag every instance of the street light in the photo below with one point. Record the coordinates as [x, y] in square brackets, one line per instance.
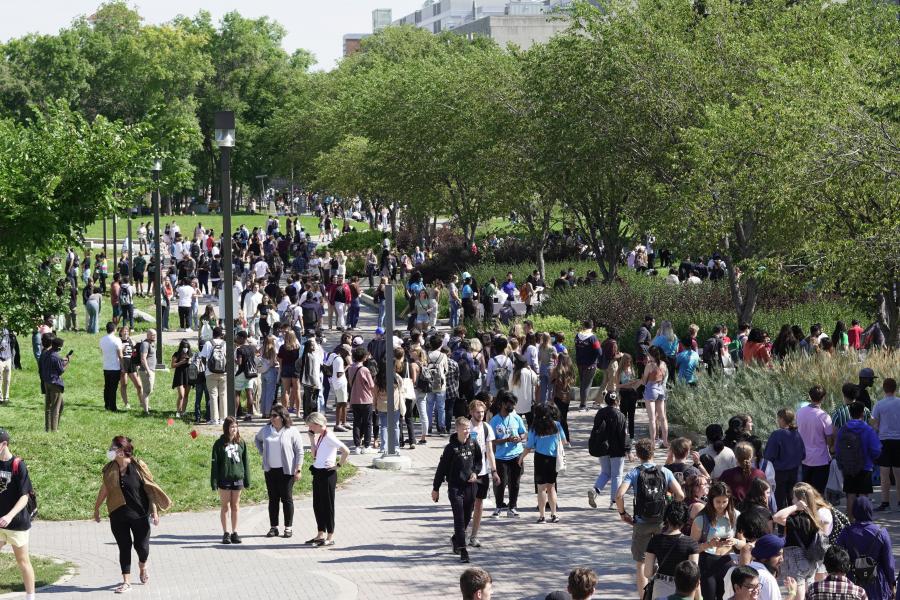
[225, 137]
[157, 284]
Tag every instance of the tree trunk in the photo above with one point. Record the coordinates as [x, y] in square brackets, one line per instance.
[889, 316]
[540, 260]
[744, 304]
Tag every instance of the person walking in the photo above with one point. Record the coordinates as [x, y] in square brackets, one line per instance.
[326, 462]
[15, 518]
[545, 438]
[133, 501]
[281, 447]
[459, 465]
[561, 379]
[609, 442]
[146, 357]
[51, 367]
[587, 353]
[483, 435]
[864, 539]
[229, 475]
[111, 349]
[509, 432]
[886, 420]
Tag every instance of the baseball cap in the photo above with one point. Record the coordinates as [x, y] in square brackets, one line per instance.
[867, 373]
[379, 331]
[4, 435]
[357, 341]
[466, 275]
[767, 546]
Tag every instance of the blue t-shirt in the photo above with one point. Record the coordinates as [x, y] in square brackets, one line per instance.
[887, 412]
[415, 288]
[508, 287]
[632, 477]
[687, 362]
[467, 291]
[669, 348]
[546, 444]
[504, 427]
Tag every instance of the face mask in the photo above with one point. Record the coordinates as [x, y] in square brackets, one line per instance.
[111, 454]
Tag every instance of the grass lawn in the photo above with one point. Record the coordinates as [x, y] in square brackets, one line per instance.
[212, 221]
[65, 466]
[46, 571]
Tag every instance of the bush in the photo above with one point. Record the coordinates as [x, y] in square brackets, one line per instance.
[761, 392]
[358, 241]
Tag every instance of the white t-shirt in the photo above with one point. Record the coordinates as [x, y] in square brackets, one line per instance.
[177, 249]
[481, 434]
[724, 460]
[327, 451]
[337, 366]
[251, 303]
[261, 269]
[524, 390]
[110, 345]
[768, 585]
[185, 295]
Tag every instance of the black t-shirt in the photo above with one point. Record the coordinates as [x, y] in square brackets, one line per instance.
[671, 550]
[13, 487]
[682, 471]
[137, 504]
[247, 356]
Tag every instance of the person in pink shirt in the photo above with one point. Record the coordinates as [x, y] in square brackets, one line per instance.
[817, 432]
[361, 389]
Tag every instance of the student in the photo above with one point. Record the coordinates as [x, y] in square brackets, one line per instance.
[766, 559]
[669, 549]
[545, 438]
[714, 530]
[836, 584]
[886, 420]
[722, 455]
[609, 441]
[587, 353]
[739, 478]
[281, 447]
[687, 580]
[475, 584]
[483, 434]
[229, 475]
[459, 465]
[817, 432]
[651, 482]
[857, 447]
[865, 538]
[15, 518]
[581, 585]
[509, 431]
[687, 362]
[325, 450]
[785, 450]
[745, 583]
[808, 515]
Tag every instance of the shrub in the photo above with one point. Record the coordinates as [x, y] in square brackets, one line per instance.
[761, 392]
[358, 241]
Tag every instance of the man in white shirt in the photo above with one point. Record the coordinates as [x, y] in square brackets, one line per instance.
[251, 309]
[111, 349]
[766, 557]
[185, 293]
[483, 434]
[261, 269]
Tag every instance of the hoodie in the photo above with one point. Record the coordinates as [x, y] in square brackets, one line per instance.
[458, 461]
[785, 450]
[587, 349]
[871, 445]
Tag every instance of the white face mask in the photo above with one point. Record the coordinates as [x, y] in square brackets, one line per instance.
[111, 454]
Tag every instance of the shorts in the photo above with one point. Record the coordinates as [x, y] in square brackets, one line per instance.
[148, 381]
[890, 453]
[128, 365]
[340, 395]
[544, 469]
[640, 537]
[230, 484]
[139, 278]
[117, 310]
[241, 383]
[484, 484]
[861, 483]
[796, 564]
[14, 538]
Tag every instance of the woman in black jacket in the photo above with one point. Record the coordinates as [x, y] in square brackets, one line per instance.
[610, 442]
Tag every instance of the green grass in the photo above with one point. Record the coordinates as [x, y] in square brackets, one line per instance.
[212, 221]
[65, 466]
[46, 571]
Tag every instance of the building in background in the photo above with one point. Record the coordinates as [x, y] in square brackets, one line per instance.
[352, 42]
[443, 15]
[381, 18]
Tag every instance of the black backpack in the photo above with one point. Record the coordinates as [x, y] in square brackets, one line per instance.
[865, 568]
[598, 443]
[650, 494]
[501, 375]
[32, 506]
[216, 362]
[712, 352]
[466, 373]
[849, 453]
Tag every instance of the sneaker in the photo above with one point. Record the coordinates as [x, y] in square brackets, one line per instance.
[226, 538]
[592, 497]
[369, 450]
[211, 422]
[541, 520]
[884, 506]
[235, 538]
[357, 450]
[273, 532]
[422, 442]
[554, 518]
[512, 512]
[463, 555]
[177, 414]
[497, 512]
[287, 532]
[340, 428]
[473, 541]
[612, 505]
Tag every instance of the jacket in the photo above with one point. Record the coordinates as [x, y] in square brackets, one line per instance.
[458, 461]
[13, 349]
[785, 450]
[616, 430]
[116, 499]
[225, 467]
[871, 445]
[291, 448]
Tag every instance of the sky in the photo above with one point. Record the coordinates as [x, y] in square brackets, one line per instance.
[316, 25]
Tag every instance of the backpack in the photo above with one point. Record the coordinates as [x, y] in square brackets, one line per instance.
[711, 352]
[466, 373]
[216, 362]
[598, 443]
[125, 295]
[251, 369]
[501, 375]
[423, 382]
[194, 368]
[32, 506]
[650, 494]
[327, 368]
[436, 379]
[839, 522]
[849, 453]
[864, 570]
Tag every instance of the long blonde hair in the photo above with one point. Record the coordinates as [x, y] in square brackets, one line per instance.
[743, 452]
[813, 499]
[290, 341]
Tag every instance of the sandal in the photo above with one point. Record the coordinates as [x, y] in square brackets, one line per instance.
[123, 589]
[145, 577]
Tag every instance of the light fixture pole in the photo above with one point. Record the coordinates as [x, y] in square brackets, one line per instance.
[157, 284]
[225, 141]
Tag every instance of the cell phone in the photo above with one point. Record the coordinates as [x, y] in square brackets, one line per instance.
[70, 353]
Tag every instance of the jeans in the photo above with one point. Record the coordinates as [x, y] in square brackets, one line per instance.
[585, 378]
[544, 379]
[93, 314]
[454, 313]
[510, 473]
[362, 425]
[383, 426]
[195, 315]
[353, 314]
[53, 403]
[422, 405]
[280, 489]
[165, 317]
[127, 314]
[253, 326]
[381, 313]
[610, 472]
[435, 406]
[200, 388]
[267, 395]
[184, 317]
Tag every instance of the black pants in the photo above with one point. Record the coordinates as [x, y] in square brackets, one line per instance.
[130, 532]
[712, 575]
[127, 314]
[362, 425]
[324, 481]
[510, 474]
[468, 306]
[563, 415]
[816, 477]
[408, 420]
[462, 501]
[628, 405]
[184, 316]
[280, 488]
[784, 486]
[585, 379]
[110, 388]
[310, 400]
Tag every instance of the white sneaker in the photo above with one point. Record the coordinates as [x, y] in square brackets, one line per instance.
[512, 513]
[177, 415]
[612, 505]
[592, 497]
[211, 422]
[497, 512]
[357, 450]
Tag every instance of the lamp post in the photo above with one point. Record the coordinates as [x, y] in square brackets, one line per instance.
[225, 141]
[157, 284]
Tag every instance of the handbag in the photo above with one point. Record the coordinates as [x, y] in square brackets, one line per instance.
[560, 456]
[408, 390]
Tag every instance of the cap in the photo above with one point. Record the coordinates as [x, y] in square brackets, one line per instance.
[379, 331]
[357, 341]
[4, 435]
[466, 275]
[867, 373]
[767, 546]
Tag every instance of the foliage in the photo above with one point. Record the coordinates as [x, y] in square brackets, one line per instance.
[46, 571]
[717, 398]
[28, 294]
[358, 241]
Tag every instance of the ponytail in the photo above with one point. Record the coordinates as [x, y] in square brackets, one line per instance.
[743, 452]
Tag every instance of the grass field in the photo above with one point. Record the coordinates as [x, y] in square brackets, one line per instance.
[187, 224]
[65, 466]
[46, 571]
